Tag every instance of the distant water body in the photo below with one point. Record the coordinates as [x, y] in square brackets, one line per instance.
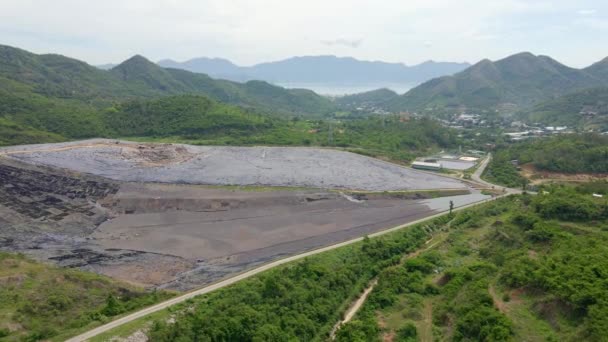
[348, 89]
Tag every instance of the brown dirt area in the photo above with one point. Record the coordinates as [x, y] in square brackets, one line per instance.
[539, 177]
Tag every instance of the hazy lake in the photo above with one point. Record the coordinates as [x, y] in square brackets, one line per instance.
[346, 89]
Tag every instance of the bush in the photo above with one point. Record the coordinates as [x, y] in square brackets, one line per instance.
[407, 333]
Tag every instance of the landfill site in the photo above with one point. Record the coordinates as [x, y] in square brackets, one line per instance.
[180, 216]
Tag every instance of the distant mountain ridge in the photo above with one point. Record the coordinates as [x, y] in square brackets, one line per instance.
[62, 77]
[319, 69]
[521, 80]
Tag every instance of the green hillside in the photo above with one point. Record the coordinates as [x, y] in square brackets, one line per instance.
[585, 109]
[60, 77]
[599, 69]
[43, 302]
[198, 120]
[519, 269]
[573, 153]
[520, 80]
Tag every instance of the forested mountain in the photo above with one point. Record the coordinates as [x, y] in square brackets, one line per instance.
[599, 69]
[586, 108]
[319, 69]
[521, 80]
[57, 76]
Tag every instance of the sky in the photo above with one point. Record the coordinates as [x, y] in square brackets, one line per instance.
[575, 32]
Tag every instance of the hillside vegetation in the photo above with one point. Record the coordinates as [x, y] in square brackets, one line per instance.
[519, 269]
[59, 77]
[298, 302]
[586, 109]
[42, 302]
[572, 153]
[200, 120]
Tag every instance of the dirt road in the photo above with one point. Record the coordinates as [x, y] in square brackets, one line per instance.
[161, 306]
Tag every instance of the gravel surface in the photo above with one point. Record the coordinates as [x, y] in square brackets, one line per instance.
[221, 165]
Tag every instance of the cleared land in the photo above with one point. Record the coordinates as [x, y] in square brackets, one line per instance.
[55, 206]
[220, 165]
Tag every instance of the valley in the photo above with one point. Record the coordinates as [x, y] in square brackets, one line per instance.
[295, 194]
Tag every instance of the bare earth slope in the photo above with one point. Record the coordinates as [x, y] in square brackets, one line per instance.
[220, 165]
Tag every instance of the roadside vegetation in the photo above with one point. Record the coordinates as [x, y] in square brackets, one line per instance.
[299, 301]
[43, 302]
[521, 268]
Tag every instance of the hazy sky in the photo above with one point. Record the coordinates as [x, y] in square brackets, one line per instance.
[574, 32]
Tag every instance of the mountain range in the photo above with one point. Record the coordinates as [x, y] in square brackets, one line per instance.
[519, 81]
[57, 90]
[66, 78]
[319, 69]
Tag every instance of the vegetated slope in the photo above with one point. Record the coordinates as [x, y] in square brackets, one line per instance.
[184, 116]
[371, 99]
[55, 76]
[319, 69]
[572, 153]
[519, 269]
[12, 133]
[200, 120]
[599, 69]
[521, 80]
[586, 109]
[197, 120]
[43, 302]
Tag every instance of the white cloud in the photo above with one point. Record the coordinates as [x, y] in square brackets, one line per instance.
[587, 11]
[251, 31]
[352, 43]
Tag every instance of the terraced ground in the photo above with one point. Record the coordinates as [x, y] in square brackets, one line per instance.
[98, 205]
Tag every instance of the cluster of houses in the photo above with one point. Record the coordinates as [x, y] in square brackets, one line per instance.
[534, 132]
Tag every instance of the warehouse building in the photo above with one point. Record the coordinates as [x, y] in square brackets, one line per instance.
[426, 166]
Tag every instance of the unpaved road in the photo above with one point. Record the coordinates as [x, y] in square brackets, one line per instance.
[180, 299]
[161, 306]
[354, 308]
